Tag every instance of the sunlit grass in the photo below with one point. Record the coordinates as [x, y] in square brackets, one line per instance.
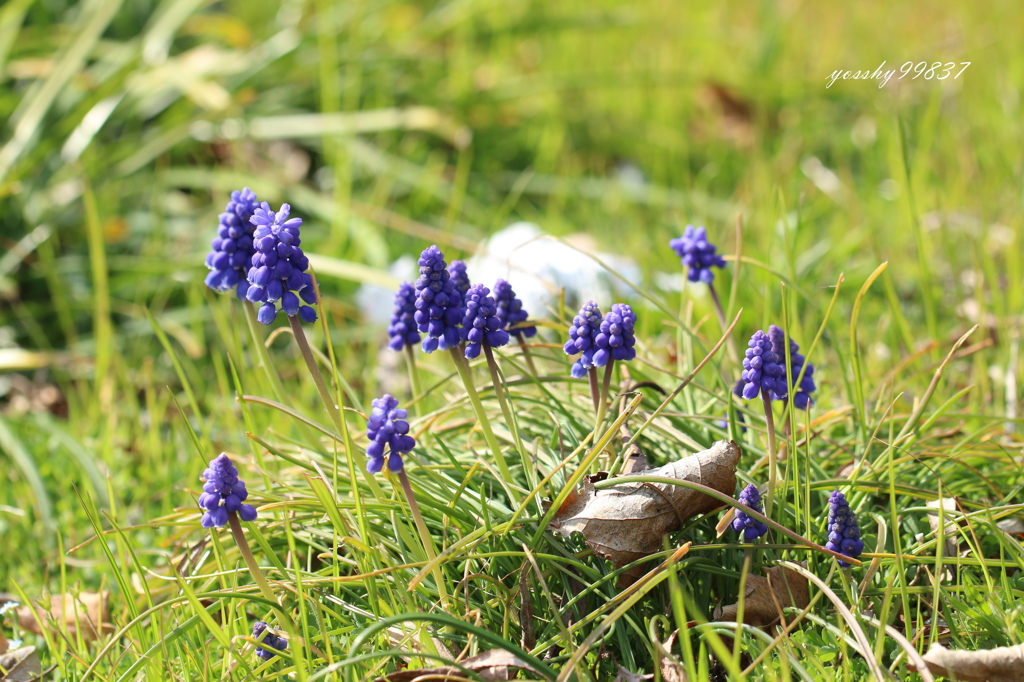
[390, 127]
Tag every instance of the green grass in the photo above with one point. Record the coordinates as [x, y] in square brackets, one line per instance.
[129, 122]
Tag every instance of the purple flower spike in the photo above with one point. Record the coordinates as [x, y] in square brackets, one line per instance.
[750, 527]
[697, 254]
[616, 338]
[223, 493]
[510, 310]
[584, 330]
[270, 641]
[232, 248]
[459, 276]
[802, 396]
[278, 273]
[843, 532]
[438, 303]
[481, 324]
[387, 427]
[762, 369]
[402, 330]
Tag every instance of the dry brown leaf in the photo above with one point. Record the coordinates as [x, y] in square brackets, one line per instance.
[626, 522]
[90, 609]
[765, 597]
[1003, 664]
[627, 676]
[4, 645]
[671, 670]
[490, 665]
[22, 665]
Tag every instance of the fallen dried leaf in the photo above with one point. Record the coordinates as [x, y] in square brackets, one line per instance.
[626, 522]
[765, 597]
[91, 610]
[1012, 526]
[1003, 664]
[671, 670]
[4, 645]
[490, 665]
[22, 665]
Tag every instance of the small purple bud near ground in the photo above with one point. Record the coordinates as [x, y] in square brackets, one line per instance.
[742, 523]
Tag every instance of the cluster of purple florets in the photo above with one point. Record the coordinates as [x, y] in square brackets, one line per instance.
[438, 302]
[697, 254]
[278, 273]
[582, 336]
[843, 531]
[459, 277]
[403, 331]
[271, 643]
[223, 494]
[387, 426]
[763, 370]
[510, 310]
[231, 250]
[802, 394]
[750, 527]
[481, 324]
[599, 339]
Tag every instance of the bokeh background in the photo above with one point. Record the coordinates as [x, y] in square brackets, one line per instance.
[391, 125]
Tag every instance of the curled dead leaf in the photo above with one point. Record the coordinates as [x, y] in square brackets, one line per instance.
[68, 612]
[1002, 664]
[495, 664]
[625, 523]
[22, 665]
[764, 598]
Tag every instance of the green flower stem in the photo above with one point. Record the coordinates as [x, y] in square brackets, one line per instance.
[250, 560]
[325, 396]
[499, 392]
[261, 351]
[525, 347]
[595, 390]
[499, 459]
[602, 406]
[414, 375]
[773, 472]
[425, 538]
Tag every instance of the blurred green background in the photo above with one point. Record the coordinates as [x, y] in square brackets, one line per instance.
[392, 125]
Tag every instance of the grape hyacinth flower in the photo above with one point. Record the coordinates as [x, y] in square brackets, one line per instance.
[459, 276]
[802, 393]
[843, 531]
[616, 338]
[270, 642]
[232, 248]
[402, 330]
[480, 322]
[582, 334]
[697, 254]
[762, 368]
[279, 267]
[223, 493]
[750, 527]
[387, 426]
[438, 302]
[510, 310]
